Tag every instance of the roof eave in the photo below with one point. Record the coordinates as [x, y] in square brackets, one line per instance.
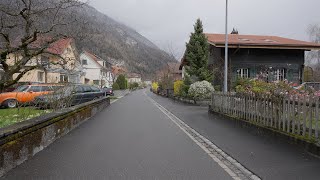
[306, 48]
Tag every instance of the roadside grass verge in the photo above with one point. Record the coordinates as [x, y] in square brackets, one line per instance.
[113, 97]
[15, 115]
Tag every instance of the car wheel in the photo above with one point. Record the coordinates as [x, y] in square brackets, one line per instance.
[11, 103]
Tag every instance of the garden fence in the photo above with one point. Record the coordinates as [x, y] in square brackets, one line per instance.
[294, 114]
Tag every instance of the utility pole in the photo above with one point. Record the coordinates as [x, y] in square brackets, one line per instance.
[225, 87]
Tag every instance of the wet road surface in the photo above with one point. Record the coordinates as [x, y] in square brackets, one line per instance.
[131, 139]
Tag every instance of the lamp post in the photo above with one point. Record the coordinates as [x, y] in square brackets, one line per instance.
[225, 87]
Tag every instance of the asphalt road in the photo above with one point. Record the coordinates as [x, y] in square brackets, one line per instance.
[131, 139]
[265, 155]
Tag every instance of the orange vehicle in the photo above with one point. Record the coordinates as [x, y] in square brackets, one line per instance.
[26, 94]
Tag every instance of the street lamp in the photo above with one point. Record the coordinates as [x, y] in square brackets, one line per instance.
[225, 87]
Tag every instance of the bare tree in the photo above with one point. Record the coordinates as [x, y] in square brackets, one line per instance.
[28, 28]
[313, 57]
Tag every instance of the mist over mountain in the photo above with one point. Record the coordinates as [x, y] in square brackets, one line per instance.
[120, 44]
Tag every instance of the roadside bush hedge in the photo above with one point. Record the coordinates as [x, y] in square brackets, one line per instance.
[122, 82]
[200, 90]
[134, 85]
[155, 86]
[177, 87]
[115, 86]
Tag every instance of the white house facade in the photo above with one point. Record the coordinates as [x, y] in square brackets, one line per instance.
[98, 71]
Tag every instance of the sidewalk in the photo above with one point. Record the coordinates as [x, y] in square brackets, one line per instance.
[266, 156]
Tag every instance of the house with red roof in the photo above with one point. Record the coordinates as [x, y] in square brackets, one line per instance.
[59, 63]
[98, 71]
[271, 58]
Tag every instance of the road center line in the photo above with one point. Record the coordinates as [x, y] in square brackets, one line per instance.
[226, 162]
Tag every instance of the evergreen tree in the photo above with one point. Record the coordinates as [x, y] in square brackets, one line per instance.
[122, 82]
[197, 54]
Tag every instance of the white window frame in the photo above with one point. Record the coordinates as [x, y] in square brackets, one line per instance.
[243, 73]
[63, 78]
[40, 76]
[280, 74]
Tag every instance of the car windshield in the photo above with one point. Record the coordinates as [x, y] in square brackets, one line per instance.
[21, 89]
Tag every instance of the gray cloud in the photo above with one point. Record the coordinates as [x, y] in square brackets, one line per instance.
[168, 23]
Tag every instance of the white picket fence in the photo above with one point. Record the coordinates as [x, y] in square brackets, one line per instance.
[298, 115]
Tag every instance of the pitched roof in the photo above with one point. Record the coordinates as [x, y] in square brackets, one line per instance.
[94, 58]
[59, 46]
[257, 41]
[117, 70]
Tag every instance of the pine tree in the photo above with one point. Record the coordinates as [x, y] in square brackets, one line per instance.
[122, 82]
[197, 54]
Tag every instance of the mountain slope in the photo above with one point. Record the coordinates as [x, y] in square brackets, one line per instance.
[120, 44]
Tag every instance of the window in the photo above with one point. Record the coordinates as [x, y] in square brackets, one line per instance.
[77, 89]
[40, 76]
[95, 89]
[63, 78]
[35, 89]
[87, 89]
[280, 74]
[96, 82]
[84, 62]
[242, 73]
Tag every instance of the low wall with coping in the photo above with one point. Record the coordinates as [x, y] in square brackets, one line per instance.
[23, 140]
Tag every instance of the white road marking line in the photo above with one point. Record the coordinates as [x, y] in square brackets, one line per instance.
[180, 124]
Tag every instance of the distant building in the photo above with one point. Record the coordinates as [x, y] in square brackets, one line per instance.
[98, 71]
[134, 77]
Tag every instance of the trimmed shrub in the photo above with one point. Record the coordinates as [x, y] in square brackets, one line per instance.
[134, 85]
[155, 86]
[115, 86]
[177, 88]
[200, 90]
[122, 82]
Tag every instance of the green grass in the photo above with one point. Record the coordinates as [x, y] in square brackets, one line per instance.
[15, 115]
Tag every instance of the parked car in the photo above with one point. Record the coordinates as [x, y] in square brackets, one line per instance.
[69, 96]
[108, 91]
[26, 94]
[15, 86]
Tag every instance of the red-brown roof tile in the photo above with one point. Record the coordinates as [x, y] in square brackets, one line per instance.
[260, 41]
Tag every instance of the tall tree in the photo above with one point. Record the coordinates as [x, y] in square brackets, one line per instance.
[197, 54]
[313, 57]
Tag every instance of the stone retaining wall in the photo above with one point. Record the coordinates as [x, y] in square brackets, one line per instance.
[21, 141]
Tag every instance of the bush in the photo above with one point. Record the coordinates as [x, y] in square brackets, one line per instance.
[200, 90]
[115, 86]
[177, 88]
[122, 82]
[155, 86]
[134, 85]
[274, 89]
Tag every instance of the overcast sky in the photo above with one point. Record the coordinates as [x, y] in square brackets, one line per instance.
[168, 23]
